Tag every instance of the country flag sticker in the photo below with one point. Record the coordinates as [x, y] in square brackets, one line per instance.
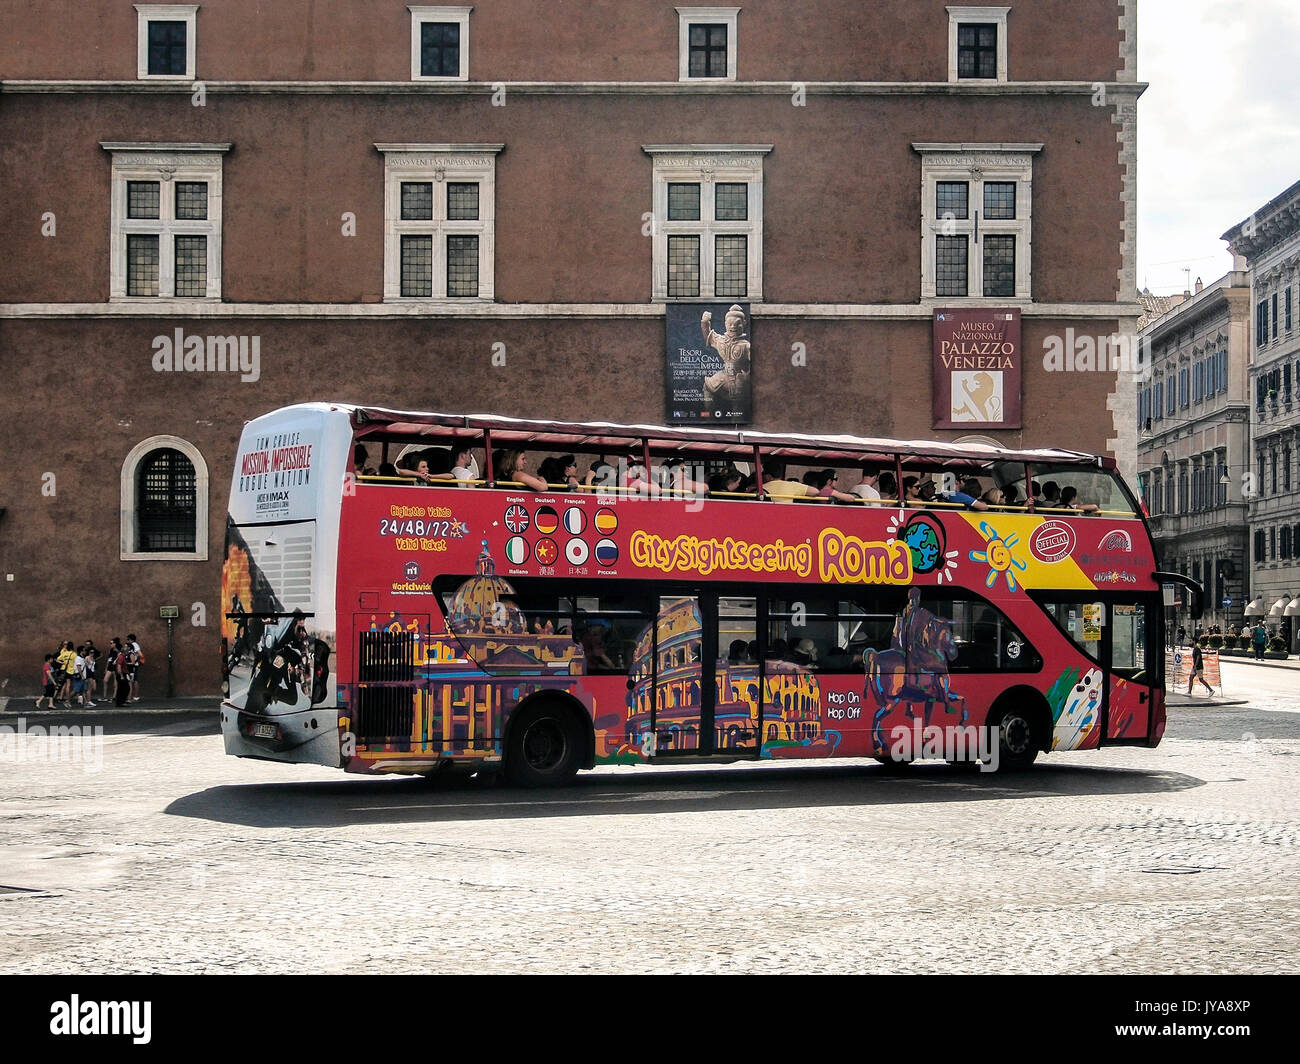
[516, 518]
[607, 552]
[546, 551]
[606, 521]
[547, 520]
[577, 551]
[574, 520]
[517, 550]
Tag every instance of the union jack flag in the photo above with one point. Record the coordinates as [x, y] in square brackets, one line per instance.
[516, 518]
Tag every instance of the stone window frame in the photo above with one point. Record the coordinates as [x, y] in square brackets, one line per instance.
[977, 164]
[958, 15]
[708, 165]
[686, 17]
[129, 503]
[146, 13]
[421, 14]
[440, 164]
[166, 164]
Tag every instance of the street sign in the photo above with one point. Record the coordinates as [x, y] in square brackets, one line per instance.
[1227, 603]
[169, 612]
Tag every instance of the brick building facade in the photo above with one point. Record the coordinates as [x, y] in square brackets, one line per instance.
[495, 208]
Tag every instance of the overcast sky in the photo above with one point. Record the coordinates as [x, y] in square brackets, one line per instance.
[1218, 130]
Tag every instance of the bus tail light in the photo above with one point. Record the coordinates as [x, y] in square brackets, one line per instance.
[1156, 722]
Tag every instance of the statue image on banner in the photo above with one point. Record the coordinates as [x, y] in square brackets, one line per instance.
[728, 388]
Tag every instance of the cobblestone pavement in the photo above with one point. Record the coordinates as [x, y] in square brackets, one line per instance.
[175, 858]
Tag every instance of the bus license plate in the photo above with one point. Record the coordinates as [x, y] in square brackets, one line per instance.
[264, 731]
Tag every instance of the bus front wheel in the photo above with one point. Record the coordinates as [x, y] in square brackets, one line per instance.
[1014, 731]
[544, 747]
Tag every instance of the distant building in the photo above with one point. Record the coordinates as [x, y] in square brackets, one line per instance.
[1193, 446]
[1269, 240]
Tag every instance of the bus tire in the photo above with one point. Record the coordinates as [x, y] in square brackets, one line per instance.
[1014, 727]
[544, 747]
[894, 765]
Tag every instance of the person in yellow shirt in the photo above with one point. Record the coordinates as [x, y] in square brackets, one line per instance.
[777, 487]
[68, 664]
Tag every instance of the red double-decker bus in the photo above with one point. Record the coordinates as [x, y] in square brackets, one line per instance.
[393, 601]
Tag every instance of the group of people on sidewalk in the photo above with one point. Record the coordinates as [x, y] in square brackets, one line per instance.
[71, 675]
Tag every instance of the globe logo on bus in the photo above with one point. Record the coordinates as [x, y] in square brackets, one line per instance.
[925, 539]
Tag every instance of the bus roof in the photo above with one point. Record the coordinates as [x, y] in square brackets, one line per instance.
[608, 436]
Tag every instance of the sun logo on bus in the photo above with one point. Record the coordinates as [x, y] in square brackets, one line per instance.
[998, 556]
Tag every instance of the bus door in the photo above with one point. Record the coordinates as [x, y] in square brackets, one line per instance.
[682, 720]
[1111, 700]
[706, 690]
[1136, 666]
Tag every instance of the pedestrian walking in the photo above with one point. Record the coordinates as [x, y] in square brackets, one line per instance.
[67, 658]
[1260, 639]
[47, 682]
[1182, 635]
[1198, 670]
[137, 661]
[123, 668]
[110, 668]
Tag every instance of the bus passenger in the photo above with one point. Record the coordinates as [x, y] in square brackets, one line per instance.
[777, 487]
[869, 489]
[728, 481]
[1069, 497]
[462, 470]
[1051, 495]
[508, 464]
[888, 487]
[680, 482]
[827, 484]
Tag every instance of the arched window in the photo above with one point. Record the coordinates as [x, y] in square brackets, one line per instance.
[164, 502]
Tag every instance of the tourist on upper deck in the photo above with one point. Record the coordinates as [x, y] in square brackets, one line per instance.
[1051, 495]
[888, 487]
[509, 464]
[869, 489]
[1069, 501]
[777, 487]
[462, 470]
[827, 483]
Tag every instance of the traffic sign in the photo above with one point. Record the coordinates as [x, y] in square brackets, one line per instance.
[1227, 603]
[166, 612]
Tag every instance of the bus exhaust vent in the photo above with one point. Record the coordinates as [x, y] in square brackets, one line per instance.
[386, 657]
[384, 713]
[385, 710]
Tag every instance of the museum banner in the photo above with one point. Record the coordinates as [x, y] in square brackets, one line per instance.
[977, 359]
[709, 371]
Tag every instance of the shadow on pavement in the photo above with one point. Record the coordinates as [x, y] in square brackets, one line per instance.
[338, 803]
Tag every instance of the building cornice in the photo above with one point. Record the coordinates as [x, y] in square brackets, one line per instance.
[421, 309]
[716, 87]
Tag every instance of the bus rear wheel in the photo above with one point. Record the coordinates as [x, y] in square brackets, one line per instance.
[1014, 731]
[544, 747]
